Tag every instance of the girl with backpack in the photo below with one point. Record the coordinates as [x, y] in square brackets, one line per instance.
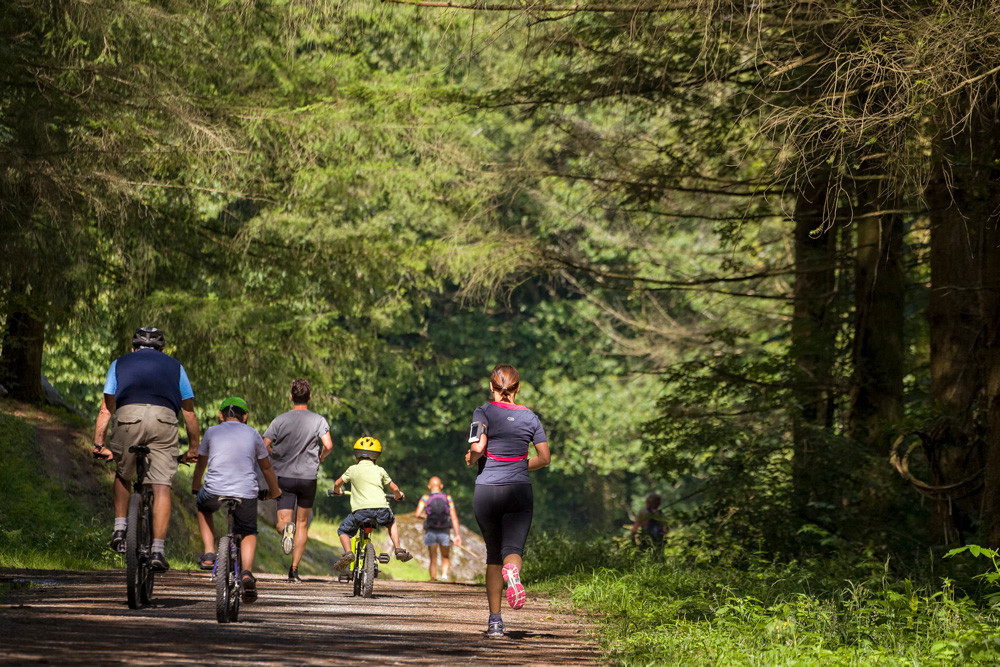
[503, 432]
[437, 509]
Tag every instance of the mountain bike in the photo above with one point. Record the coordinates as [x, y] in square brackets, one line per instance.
[139, 534]
[364, 571]
[139, 531]
[229, 566]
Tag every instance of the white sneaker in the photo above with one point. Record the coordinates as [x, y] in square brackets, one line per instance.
[288, 538]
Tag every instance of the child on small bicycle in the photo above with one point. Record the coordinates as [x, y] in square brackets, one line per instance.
[368, 500]
[231, 451]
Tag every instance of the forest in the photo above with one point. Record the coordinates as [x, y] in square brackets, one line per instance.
[743, 254]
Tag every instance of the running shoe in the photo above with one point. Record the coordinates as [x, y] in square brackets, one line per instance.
[118, 541]
[293, 575]
[249, 587]
[345, 562]
[158, 562]
[515, 591]
[288, 538]
[495, 629]
[402, 555]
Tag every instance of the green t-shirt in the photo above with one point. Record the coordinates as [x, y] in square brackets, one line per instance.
[368, 483]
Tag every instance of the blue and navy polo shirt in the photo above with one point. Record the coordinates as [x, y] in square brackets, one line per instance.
[148, 376]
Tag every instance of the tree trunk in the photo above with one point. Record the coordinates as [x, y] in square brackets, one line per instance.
[991, 315]
[952, 447]
[21, 356]
[813, 348]
[877, 391]
[878, 356]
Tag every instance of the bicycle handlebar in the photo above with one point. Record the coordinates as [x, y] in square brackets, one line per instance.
[261, 494]
[345, 492]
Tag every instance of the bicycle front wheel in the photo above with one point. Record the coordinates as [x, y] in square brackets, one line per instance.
[224, 579]
[368, 580]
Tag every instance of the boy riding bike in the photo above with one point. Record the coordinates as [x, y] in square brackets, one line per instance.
[368, 500]
[230, 451]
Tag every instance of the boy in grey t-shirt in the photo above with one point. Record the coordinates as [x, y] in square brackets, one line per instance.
[298, 441]
[231, 452]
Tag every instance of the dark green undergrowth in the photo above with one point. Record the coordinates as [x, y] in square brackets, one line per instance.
[695, 604]
[42, 526]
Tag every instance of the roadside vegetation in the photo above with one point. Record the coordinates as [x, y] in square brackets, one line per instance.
[699, 603]
[41, 526]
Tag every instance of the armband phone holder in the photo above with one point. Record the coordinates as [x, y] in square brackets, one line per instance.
[476, 432]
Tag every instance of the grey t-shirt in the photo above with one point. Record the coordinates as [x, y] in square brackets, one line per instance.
[510, 429]
[233, 449]
[295, 443]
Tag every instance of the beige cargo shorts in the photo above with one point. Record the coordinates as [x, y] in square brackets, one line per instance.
[154, 426]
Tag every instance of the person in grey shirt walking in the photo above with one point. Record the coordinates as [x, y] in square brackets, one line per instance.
[298, 441]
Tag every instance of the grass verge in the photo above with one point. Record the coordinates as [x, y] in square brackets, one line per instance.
[41, 525]
[692, 608]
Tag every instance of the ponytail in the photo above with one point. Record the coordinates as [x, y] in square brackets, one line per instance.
[505, 381]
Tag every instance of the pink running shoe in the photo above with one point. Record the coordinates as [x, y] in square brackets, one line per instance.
[515, 590]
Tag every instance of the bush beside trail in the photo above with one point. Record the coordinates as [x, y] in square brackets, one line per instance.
[697, 603]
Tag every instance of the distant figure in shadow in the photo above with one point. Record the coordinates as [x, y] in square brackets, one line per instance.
[437, 509]
[650, 527]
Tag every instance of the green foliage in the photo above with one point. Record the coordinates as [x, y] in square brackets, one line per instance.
[703, 607]
[992, 578]
[41, 525]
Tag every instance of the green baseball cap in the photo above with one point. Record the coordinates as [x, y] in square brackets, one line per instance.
[236, 402]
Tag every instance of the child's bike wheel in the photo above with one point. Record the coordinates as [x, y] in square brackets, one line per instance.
[235, 586]
[368, 573]
[223, 581]
[358, 574]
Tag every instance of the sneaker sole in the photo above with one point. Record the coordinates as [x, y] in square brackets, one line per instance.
[249, 592]
[516, 595]
[288, 539]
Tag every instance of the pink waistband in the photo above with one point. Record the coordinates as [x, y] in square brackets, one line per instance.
[505, 458]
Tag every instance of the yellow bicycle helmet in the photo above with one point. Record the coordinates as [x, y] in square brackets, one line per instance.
[367, 447]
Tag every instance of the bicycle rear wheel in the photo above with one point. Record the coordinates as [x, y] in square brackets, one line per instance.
[133, 558]
[358, 566]
[223, 580]
[235, 588]
[368, 580]
[146, 574]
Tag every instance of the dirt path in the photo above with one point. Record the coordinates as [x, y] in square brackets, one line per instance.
[81, 617]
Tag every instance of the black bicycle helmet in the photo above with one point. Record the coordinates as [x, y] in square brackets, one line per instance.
[148, 337]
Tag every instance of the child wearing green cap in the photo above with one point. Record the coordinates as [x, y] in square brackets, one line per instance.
[231, 452]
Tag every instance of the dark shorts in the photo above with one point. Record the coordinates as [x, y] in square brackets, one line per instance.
[244, 516]
[503, 513]
[383, 516]
[296, 492]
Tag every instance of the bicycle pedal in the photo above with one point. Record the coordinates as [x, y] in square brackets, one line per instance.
[384, 559]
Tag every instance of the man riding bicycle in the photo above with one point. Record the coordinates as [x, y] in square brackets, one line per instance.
[143, 393]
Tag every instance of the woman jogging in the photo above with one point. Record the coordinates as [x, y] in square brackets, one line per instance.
[502, 501]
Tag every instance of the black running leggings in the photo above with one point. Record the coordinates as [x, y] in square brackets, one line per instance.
[504, 516]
